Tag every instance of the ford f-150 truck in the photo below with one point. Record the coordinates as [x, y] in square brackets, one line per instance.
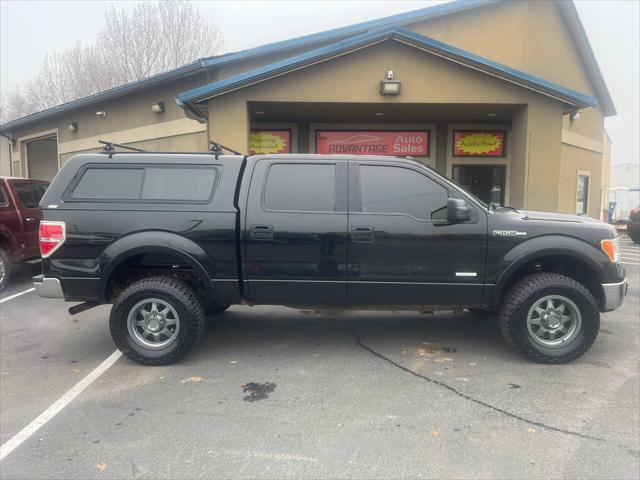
[167, 237]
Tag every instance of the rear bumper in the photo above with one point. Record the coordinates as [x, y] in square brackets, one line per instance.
[48, 287]
[614, 294]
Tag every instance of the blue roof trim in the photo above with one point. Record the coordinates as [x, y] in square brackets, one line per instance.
[467, 58]
[349, 30]
[105, 95]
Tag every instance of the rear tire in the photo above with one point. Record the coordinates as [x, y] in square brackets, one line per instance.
[635, 238]
[5, 269]
[550, 318]
[156, 320]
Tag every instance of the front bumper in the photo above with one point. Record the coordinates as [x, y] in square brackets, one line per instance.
[614, 294]
[48, 287]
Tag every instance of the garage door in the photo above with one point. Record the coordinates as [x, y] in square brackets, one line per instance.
[42, 158]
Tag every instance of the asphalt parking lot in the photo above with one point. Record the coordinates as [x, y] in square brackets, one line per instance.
[274, 392]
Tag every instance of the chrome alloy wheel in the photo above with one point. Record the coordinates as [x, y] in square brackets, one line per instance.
[153, 323]
[554, 321]
[3, 271]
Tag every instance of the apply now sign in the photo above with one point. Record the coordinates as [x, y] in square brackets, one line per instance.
[399, 143]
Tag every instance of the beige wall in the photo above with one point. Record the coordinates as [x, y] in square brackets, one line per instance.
[574, 160]
[5, 157]
[538, 43]
[537, 138]
[129, 120]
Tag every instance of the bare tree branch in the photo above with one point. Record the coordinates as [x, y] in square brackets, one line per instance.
[152, 38]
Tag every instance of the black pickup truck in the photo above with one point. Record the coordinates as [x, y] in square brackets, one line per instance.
[169, 238]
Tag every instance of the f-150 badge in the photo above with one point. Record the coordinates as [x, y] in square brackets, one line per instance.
[508, 233]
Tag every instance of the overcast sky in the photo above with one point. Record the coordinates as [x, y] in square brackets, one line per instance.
[30, 29]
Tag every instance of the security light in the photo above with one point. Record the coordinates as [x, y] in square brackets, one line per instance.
[73, 127]
[101, 113]
[157, 107]
[575, 115]
[390, 87]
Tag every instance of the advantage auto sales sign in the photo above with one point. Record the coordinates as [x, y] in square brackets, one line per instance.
[396, 143]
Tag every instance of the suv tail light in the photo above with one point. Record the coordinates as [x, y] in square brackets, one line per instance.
[52, 235]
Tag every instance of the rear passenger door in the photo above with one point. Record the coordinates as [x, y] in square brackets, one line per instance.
[295, 232]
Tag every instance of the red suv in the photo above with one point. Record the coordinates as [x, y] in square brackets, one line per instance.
[19, 220]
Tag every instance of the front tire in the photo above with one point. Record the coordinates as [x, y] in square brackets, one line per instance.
[156, 320]
[550, 318]
[635, 238]
[5, 269]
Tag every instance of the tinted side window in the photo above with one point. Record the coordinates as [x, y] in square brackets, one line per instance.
[110, 183]
[301, 187]
[147, 183]
[29, 193]
[193, 184]
[3, 197]
[385, 189]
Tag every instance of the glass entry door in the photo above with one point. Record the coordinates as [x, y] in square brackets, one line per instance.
[485, 181]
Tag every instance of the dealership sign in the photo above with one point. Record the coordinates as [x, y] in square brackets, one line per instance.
[269, 141]
[373, 143]
[479, 143]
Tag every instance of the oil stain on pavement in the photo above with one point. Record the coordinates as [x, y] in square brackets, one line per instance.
[257, 391]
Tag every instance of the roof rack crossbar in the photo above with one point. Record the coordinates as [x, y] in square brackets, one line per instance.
[217, 148]
[109, 147]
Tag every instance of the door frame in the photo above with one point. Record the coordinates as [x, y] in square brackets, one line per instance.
[492, 165]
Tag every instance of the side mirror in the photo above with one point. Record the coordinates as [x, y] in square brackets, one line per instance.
[457, 210]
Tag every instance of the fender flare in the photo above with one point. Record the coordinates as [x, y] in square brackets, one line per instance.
[156, 242]
[545, 246]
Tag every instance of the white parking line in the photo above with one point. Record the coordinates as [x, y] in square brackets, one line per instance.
[14, 442]
[629, 263]
[11, 297]
[629, 255]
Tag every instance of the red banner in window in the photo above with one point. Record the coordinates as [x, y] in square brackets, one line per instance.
[479, 143]
[373, 143]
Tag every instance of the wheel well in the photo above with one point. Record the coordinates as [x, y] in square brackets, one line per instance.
[563, 265]
[4, 244]
[151, 264]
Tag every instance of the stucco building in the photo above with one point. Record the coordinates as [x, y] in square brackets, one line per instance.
[504, 97]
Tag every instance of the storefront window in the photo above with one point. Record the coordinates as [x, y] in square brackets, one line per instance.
[582, 196]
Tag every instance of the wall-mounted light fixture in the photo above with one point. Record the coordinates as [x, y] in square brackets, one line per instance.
[101, 114]
[390, 86]
[575, 115]
[157, 107]
[73, 127]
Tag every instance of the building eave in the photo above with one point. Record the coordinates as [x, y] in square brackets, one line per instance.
[106, 95]
[572, 18]
[571, 98]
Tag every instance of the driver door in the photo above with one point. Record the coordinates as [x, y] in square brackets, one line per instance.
[402, 251]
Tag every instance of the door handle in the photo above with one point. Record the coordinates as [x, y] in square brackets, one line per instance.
[261, 232]
[29, 219]
[362, 234]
